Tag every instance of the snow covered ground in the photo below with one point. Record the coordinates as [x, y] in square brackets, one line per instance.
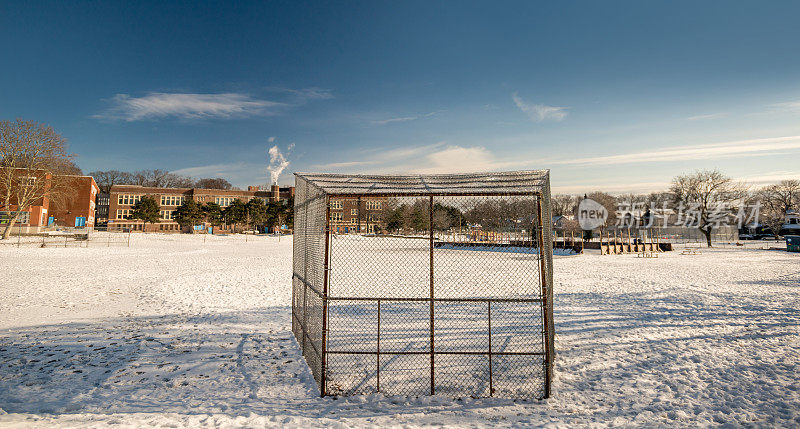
[174, 331]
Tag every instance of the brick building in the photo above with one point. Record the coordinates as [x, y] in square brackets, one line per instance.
[123, 197]
[77, 209]
[73, 207]
[358, 215]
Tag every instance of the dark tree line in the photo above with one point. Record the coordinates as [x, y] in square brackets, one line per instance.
[155, 179]
[491, 215]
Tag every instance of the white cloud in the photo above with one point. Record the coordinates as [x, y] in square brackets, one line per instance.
[428, 159]
[403, 119]
[709, 116]
[789, 105]
[303, 95]
[766, 146]
[239, 173]
[406, 118]
[539, 112]
[158, 105]
[772, 177]
[457, 159]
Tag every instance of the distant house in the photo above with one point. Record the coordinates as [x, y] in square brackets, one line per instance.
[792, 224]
[559, 222]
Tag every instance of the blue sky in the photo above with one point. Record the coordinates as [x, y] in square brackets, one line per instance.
[619, 96]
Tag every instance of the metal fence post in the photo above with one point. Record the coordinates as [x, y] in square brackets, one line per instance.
[545, 302]
[489, 313]
[430, 227]
[325, 269]
[378, 357]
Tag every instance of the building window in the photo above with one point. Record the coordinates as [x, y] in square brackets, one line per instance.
[224, 201]
[123, 213]
[27, 181]
[336, 204]
[167, 214]
[172, 200]
[373, 205]
[128, 199]
[336, 216]
[373, 217]
[5, 217]
[354, 212]
[353, 220]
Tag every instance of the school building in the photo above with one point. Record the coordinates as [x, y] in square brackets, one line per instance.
[73, 206]
[122, 198]
[358, 215]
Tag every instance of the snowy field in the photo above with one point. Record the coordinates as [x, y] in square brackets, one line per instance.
[174, 331]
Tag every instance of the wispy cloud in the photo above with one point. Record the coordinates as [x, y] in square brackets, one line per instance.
[303, 95]
[766, 146]
[384, 157]
[158, 105]
[405, 118]
[402, 119]
[539, 112]
[434, 158]
[457, 159]
[229, 105]
[786, 106]
[708, 116]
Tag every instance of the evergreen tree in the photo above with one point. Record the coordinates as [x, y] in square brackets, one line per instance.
[188, 214]
[256, 213]
[146, 209]
[213, 213]
[236, 213]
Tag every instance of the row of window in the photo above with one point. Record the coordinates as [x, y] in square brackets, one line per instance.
[353, 220]
[371, 205]
[370, 229]
[172, 200]
[128, 199]
[24, 217]
[371, 217]
[224, 201]
[164, 214]
[168, 227]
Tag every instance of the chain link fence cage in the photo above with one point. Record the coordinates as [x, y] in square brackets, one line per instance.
[432, 284]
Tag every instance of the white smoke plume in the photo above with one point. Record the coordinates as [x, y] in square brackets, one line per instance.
[277, 161]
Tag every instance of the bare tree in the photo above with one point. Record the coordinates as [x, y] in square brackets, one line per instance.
[215, 183]
[708, 197]
[563, 205]
[160, 179]
[106, 179]
[610, 203]
[776, 201]
[32, 157]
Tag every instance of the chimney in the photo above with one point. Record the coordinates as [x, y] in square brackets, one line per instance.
[276, 193]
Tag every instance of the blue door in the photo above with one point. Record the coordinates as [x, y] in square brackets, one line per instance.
[80, 222]
[50, 220]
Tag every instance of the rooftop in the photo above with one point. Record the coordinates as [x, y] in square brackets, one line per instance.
[513, 182]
